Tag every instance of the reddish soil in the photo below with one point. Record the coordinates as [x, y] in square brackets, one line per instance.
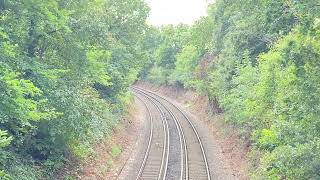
[233, 149]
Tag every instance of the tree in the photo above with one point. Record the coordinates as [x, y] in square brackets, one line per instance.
[65, 71]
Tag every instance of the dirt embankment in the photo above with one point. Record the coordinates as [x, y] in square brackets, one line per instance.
[232, 147]
[109, 156]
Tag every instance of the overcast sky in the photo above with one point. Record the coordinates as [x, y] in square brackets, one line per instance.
[165, 12]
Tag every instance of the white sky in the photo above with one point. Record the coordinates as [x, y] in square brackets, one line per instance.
[165, 12]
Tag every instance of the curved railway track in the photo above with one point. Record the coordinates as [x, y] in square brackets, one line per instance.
[193, 159]
[154, 164]
[175, 123]
[150, 138]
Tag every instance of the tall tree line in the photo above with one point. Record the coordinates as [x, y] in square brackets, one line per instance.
[259, 61]
[65, 69]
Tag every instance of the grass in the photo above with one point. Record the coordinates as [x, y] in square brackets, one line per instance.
[115, 151]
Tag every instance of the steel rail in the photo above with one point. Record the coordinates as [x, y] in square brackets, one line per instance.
[165, 154]
[183, 144]
[149, 141]
[191, 124]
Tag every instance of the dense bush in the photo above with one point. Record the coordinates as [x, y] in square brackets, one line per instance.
[65, 70]
[264, 73]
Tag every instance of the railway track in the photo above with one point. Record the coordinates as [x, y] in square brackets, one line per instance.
[193, 162]
[175, 162]
[156, 156]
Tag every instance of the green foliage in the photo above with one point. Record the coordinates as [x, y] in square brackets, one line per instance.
[65, 71]
[97, 63]
[115, 151]
[4, 139]
[3, 175]
[171, 41]
[263, 72]
[288, 88]
[19, 98]
[186, 64]
[272, 99]
[158, 75]
[177, 52]
[109, 164]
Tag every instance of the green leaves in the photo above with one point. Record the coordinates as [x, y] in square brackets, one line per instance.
[97, 63]
[284, 112]
[65, 71]
[19, 97]
[4, 139]
[259, 60]
[186, 64]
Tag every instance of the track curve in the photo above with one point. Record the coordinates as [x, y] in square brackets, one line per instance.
[156, 156]
[190, 142]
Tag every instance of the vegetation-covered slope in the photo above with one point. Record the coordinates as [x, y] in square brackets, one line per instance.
[66, 65]
[260, 61]
[65, 68]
